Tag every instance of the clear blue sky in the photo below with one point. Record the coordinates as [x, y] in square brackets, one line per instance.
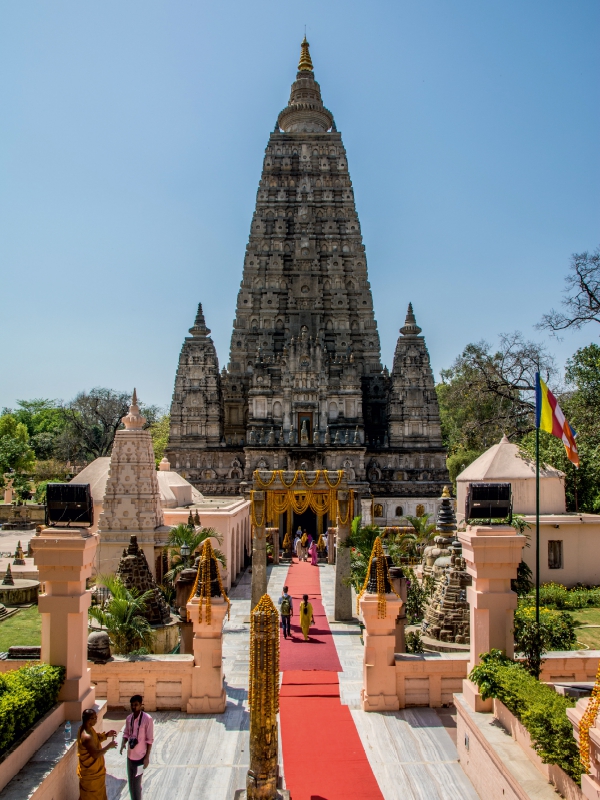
[131, 143]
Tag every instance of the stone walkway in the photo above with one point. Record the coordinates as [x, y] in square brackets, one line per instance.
[410, 752]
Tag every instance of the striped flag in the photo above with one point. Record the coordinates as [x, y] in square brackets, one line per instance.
[549, 417]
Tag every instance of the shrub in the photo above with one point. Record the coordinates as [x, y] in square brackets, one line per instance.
[417, 595]
[414, 643]
[557, 628]
[26, 694]
[555, 595]
[542, 712]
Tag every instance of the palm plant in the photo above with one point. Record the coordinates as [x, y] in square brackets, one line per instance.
[122, 616]
[360, 541]
[424, 530]
[192, 536]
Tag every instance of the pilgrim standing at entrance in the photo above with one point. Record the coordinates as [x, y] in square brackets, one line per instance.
[298, 546]
[314, 556]
[138, 736]
[90, 755]
[304, 545]
[306, 616]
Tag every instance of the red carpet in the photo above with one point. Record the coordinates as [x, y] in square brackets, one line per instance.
[323, 757]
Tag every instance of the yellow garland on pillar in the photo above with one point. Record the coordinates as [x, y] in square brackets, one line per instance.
[588, 720]
[321, 543]
[263, 690]
[346, 519]
[382, 573]
[204, 577]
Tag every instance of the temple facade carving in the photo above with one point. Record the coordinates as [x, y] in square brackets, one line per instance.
[304, 386]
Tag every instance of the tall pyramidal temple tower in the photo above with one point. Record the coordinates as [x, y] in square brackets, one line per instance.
[305, 387]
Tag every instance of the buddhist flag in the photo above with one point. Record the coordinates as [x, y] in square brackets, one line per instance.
[549, 417]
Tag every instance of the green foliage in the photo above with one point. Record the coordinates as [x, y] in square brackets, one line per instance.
[45, 420]
[541, 711]
[556, 631]
[159, 431]
[555, 595]
[194, 537]
[16, 454]
[522, 584]
[417, 594]
[26, 694]
[40, 491]
[122, 616]
[414, 643]
[459, 461]
[360, 541]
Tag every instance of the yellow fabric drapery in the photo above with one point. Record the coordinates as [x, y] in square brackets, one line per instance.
[299, 474]
[298, 501]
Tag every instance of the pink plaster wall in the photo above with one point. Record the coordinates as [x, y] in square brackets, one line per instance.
[165, 682]
[429, 679]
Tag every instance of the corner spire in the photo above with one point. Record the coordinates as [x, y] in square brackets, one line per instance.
[134, 420]
[199, 327]
[305, 64]
[410, 327]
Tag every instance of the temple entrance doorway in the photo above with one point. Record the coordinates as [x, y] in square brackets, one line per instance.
[310, 523]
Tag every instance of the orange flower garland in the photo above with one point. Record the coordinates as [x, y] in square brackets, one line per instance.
[588, 721]
[382, 573]
[204, 577]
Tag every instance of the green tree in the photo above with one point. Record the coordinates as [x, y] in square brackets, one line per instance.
[360, 541]
[193, 537]
[45, 421]
[459, 461]
[16, 455]
[160, 436]
[487, 393]
[581, 300]
[123, 616]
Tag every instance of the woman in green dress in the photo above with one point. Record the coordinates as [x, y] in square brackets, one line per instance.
[306, 616]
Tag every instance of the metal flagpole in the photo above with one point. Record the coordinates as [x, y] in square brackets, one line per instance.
[538, 398]
[537, 524]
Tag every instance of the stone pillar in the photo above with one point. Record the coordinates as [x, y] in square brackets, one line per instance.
[331, 545]
[379, 663]
[492, 554]
[259, 550]
[183, 589]
[398, 582]
[343, 593]
[64, 558]
[8, 492]
[208, 694]
[366, 509]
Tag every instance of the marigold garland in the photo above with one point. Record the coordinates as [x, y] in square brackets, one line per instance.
[298, 474]
[321, 544]
[287, 541]
[263, 519]
[204, 577]
[588, 720]
[346, 519]
[382, 573]
[263, 691]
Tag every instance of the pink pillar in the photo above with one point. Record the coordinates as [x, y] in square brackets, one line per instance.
[64, 558]
[493, 554]
[208, 694]
[379, 662]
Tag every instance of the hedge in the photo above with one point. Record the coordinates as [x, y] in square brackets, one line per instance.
[26, 694]
[555, 595]
[541, 711]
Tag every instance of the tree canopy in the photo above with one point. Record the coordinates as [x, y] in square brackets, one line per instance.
[581, 301]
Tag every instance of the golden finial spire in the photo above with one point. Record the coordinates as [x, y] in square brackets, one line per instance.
[305, 64]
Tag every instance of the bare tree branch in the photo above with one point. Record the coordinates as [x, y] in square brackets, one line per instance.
[582, 295]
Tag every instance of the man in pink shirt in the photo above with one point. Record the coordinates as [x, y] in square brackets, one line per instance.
[138, 736]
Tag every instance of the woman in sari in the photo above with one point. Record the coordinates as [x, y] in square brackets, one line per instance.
[314, 555]
[90, 755]
[303, 545]
[306, 616]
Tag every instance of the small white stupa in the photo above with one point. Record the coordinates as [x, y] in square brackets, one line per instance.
[506, 463]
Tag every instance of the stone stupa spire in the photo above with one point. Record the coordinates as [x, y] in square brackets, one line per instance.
[134, 420]
[199, 327]
[305, 112]
[410, 327]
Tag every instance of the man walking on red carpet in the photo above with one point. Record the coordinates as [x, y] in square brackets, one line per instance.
[287, 609]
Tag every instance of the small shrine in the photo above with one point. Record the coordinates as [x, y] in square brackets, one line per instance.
[445, 624]
[135, 573]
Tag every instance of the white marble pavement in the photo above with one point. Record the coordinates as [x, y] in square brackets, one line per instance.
[201, 756]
